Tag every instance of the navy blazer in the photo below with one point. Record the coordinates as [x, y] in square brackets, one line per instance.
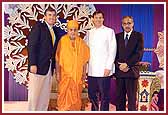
[40, 49]
[131, 54]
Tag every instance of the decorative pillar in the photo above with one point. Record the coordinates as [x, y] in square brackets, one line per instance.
[148, 85]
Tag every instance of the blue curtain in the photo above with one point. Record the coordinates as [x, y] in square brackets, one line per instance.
[143, 22]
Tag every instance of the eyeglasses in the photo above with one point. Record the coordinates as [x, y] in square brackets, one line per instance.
[128, 23]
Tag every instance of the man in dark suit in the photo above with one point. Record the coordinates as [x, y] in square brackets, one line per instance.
[42, 43]
[130, 45]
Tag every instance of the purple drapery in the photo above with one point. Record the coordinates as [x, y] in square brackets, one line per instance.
[12, 90]
[158, 27]
[112, 15]
[6, 82]
[16, 92]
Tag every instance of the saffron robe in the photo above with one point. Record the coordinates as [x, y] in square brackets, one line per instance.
[71, 59]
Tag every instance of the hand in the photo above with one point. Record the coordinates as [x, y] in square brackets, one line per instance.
[83, 77]
[122, 66]
[106, 72]
[33, 69]
[58, 77]
[125, 70]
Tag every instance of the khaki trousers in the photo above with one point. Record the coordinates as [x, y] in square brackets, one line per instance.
[39, 88]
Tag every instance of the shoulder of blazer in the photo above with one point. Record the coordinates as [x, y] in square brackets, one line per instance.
[35, 29]
[36, 25]
[42, 24]
[39, 23]
[137, 33]
[119, 35]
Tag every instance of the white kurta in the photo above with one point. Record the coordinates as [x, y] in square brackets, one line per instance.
[102, 44]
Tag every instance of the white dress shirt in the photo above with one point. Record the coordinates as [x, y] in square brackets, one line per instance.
[51, 29]
[129, 34]
[102, 44]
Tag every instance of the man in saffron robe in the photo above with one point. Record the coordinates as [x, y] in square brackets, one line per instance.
[71, 56]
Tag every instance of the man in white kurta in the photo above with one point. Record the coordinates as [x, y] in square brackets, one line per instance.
[102, 44]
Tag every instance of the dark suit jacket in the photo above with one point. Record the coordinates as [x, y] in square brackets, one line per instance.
[132, 54]
[40, 48]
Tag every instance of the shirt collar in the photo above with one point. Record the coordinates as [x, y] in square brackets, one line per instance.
[129, 34]
[49, 27]
[99, 27]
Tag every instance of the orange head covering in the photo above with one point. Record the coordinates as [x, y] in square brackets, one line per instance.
[72, 24]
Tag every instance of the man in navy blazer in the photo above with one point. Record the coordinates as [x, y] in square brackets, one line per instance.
[130, 45]
[42, 44]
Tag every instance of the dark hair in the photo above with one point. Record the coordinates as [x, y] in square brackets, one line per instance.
[128, 17]
[50, 10]
[98, 12]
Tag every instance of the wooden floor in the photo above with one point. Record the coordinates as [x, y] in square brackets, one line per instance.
[22, 106]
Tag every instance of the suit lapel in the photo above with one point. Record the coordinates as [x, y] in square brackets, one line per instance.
[131, 39]
[122, 41]
[56, 37]
[48, 34]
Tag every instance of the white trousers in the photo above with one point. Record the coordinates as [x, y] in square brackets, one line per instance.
[39, 88]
